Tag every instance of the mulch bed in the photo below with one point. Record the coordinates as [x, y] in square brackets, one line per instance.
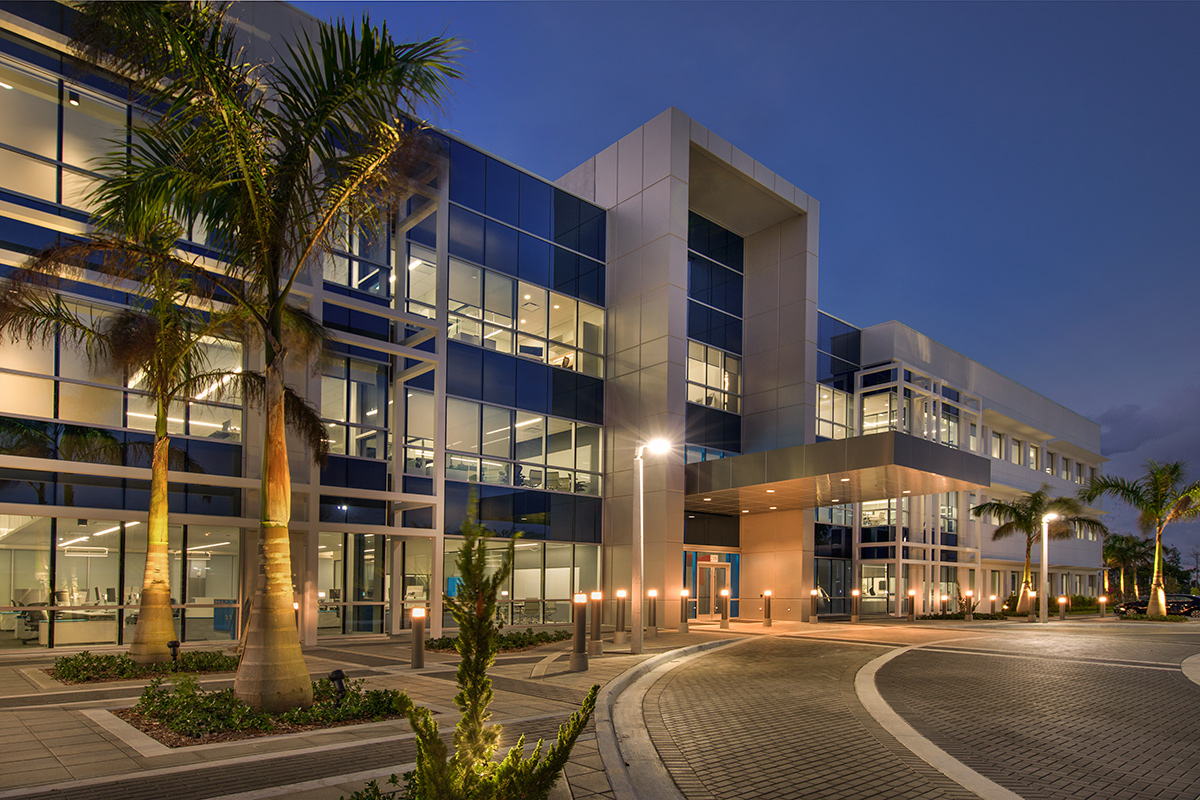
[160, 732]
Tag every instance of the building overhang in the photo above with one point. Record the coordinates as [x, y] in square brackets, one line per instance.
[862, 468]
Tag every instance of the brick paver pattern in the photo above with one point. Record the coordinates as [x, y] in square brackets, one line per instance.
[1059, 722]
[777, 718]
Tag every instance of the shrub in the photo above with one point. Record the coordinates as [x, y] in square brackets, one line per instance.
[87, 666]
[513, 640]
[189, 711]
[1145, 618]
[962, 615]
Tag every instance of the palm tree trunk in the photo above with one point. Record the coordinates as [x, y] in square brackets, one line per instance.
[1122, 583]
[1158, 594]
[1023, 600]
[272, 674]
[155, 625]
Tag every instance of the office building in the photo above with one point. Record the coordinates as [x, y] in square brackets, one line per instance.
[513, 339]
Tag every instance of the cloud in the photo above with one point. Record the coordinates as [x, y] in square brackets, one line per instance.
[1169, 430]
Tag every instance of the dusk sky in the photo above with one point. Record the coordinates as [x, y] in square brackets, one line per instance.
[1015, 180]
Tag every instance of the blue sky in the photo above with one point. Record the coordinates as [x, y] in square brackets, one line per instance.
[1017, 180]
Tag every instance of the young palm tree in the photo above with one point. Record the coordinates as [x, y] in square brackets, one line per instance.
[1126, 553]
[273, 159]
[1161, 497]
[1024, 516]
[160, 337]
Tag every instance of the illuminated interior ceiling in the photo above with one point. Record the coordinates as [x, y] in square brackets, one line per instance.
[862, 468]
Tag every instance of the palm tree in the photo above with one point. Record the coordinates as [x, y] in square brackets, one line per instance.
[157, 341]
[274, 160]
[1161, 497]
[1125, 553]
[1024, 516]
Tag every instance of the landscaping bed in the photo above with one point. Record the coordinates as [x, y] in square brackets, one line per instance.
[87, 667]
[184, 714]
[506, 642]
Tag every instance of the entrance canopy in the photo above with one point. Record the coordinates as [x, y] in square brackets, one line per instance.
[862, 468]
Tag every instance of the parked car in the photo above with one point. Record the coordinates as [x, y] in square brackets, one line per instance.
[1182, 605]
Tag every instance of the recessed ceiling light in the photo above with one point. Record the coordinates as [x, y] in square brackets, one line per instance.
[907, 491]
[527, 296]
[745, 511]
[774, 507]
[770, 491]
[708, 499]
[836, 500]
[845, 480]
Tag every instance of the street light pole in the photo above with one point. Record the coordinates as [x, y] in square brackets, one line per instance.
[658, 447]
[1043, 610]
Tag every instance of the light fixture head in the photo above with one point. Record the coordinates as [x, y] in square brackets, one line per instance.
[970, 593]
[597, 595]
[653, 592]
[992, 598]
[767, 593]
[855, 592]
[73, 98]
[845, 480]
[1062, 600]
[418, 613]
[1102, 599]
[815, 592]
[724, 593]
[620, 594]
[912, 592]
[580, 598]
[1049, 517]
[683, 592]
[658, 446]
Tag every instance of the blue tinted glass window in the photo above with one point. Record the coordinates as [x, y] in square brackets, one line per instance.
[587, 519]
[591, 232]
[534, 257]
[500, 378]
[468, 170]
[501, 192]
[591, 281]
[714, 327]
[466, 235]
[533, 390]
[566, 219]
[709, 427]
[425, 231]
[562, 518]
[837, 338]
[712, 241]
[464, 371]
[715, 285]
[536, 200]
[500, 248]
[456, 497]
[566, 271]
[531, 513]
[496, 509]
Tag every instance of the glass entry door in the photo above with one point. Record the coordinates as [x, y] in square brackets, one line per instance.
[710, 580]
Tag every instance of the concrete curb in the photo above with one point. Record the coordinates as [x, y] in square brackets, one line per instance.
[1191, 668]
[616, 764]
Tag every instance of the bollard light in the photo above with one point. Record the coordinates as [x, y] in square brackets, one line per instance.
[1032, 606]
[338, 677]
[596, 644]
[970, 616]
[945, 603]
[1062, 608]
[652, 621]
[912, 605]
[418, 637]
[993, 598]
[855, 597]
[767, 608]
[815, 596]
[579, 659]
[724, 608]
[683, 610]
[1103, 604]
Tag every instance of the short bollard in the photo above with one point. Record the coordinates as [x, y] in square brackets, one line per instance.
[814, 598]
[579, 659]
[970, 610]
[1103, 606]
[912, 605]
[945, 603]
[855, 596]
[993, 604]
[683, 610]
[619, 634]
[1033, 606]
[596, 644]
[1062, 609]
[652, 615]
[767, 608]
[418, 638]
[724, 608]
